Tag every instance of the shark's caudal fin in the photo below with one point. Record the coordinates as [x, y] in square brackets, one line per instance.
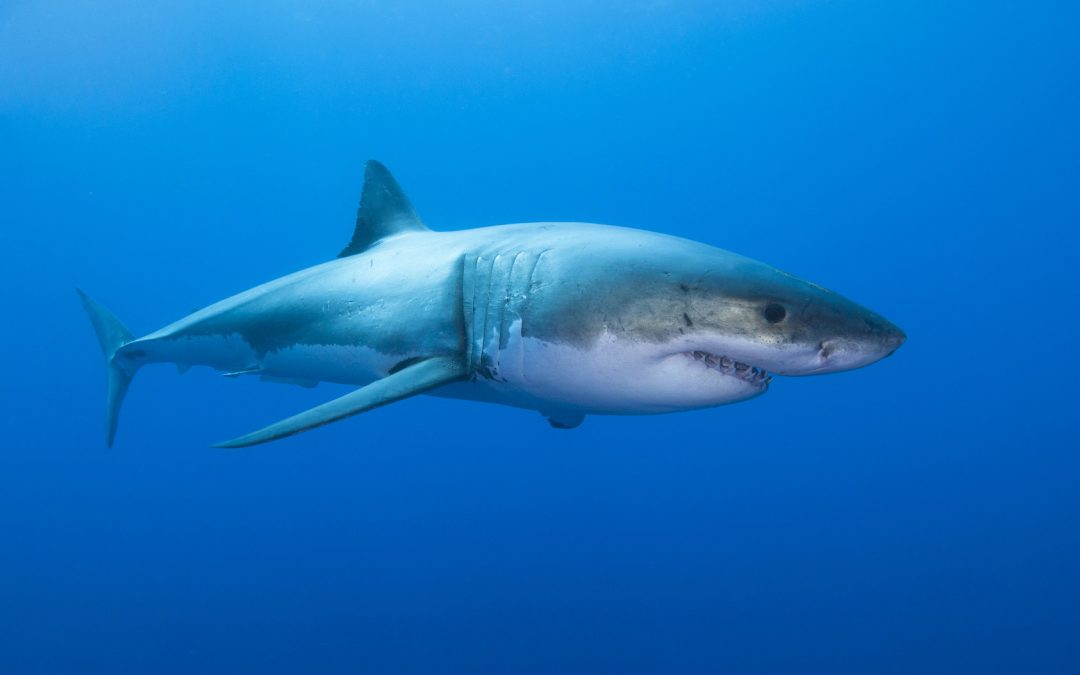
[414, 379]
[384, 210]
[112, 335]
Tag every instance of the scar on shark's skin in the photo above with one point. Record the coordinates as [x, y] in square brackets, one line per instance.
[567, 319]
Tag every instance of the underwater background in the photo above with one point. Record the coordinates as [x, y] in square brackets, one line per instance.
[918, 516]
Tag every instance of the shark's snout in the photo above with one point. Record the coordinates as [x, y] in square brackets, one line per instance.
[885, 336]
[896, 340]
[879, 340]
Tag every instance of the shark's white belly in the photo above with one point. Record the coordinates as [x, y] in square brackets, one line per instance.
[608, 377]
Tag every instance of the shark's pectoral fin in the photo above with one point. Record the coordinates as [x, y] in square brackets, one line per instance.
[415, 379]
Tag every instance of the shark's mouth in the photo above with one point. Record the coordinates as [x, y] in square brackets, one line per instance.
[753, 375]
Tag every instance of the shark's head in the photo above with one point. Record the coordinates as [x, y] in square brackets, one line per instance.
[749, 321]
[776, 322]
[694, 325]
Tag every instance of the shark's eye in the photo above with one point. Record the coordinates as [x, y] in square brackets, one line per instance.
[774, 313]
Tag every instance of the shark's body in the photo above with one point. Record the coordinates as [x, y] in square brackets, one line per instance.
[569, 319]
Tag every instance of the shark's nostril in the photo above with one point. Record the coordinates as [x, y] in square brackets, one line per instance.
[825, 349]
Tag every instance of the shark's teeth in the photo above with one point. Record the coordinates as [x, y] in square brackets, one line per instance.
[728, 366]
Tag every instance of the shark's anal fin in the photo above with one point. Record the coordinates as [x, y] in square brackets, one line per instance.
[298, 381]
[415, 379]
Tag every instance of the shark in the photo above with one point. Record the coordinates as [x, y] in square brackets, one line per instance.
[567, 319]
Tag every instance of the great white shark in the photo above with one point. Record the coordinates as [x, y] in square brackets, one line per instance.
[569, 319]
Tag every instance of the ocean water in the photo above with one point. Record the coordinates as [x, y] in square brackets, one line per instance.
[918, 516]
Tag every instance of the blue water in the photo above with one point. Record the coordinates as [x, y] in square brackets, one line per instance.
[918, 516]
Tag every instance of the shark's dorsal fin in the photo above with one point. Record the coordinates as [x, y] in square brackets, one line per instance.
[384, 210]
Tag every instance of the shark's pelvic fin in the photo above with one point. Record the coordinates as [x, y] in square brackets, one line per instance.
[111, 335]
[565, 419]
[384, 210]
[415, 379]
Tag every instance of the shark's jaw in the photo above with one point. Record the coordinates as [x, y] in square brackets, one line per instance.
[729, 367]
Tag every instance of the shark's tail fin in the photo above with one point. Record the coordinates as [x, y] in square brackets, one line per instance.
[112, 335]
